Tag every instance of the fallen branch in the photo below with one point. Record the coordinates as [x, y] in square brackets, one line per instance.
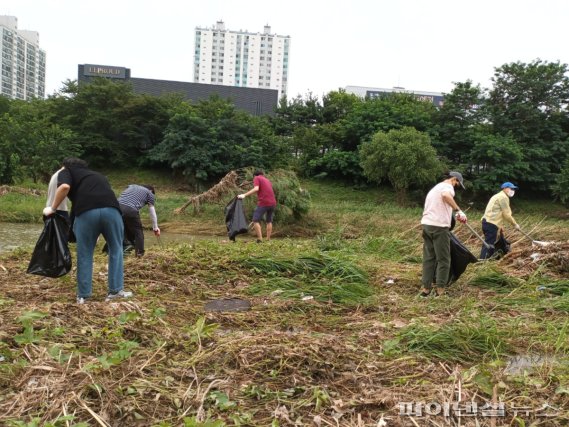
[227, 184]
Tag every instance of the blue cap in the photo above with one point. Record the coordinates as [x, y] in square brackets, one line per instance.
[508, 185]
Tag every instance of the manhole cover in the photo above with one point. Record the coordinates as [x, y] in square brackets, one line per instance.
[227, 304]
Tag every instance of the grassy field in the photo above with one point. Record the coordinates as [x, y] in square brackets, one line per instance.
[335, 336]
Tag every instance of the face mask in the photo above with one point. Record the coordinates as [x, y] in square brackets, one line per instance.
[510, 192]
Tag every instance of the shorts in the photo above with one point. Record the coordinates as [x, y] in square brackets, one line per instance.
[262, 210]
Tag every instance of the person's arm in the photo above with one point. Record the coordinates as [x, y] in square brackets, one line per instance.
[60, 194]
[449, 200]
[154, 219]
[507, 212]
[248, 193]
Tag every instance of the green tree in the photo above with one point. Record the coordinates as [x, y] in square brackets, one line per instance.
[96, 114]
[205, 141]
[495, 159]
[336, 105]
[4, 104]
[31, 144]
[298, 112]
[404, 157]
[10, 167]
[343, 165]
[393, 111]
[530, 103]
[114, 125]
[459, 121]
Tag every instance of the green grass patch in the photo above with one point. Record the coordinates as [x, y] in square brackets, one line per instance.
[462, 341]
[323, 277]
[495, 280]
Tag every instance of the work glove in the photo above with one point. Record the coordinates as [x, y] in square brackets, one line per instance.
[157, 232]
[48, 211]
[461, 217]
[241, 196]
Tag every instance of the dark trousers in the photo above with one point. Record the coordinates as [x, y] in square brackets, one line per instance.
[490, 237]
[133, 231]
[436, 256]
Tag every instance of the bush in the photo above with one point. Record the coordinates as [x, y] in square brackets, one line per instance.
[343, 165]
[405, 157]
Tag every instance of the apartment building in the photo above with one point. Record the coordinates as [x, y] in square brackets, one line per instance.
[241, 58]
[22, 62]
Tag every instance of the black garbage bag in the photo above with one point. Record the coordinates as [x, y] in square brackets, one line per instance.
[460, 257]
[235, 218]
[501, 247]
[51, 257]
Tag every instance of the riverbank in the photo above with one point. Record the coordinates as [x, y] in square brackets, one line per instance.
[335, 333]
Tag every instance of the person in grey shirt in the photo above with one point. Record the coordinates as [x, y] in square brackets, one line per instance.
[134, 198]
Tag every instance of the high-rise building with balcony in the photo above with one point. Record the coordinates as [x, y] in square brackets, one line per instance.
[240, 58]
[22, 61]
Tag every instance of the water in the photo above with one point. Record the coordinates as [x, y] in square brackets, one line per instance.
[13, 236]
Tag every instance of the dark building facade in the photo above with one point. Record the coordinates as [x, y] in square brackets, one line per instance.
[255, 101]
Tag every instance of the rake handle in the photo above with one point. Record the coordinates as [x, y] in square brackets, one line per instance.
[525, 234]
[478, 235]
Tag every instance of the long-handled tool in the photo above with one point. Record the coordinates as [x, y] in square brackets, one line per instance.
[160, 242]
[488, 246]
[536, 242]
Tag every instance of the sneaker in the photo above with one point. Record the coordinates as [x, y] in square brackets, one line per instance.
[81, 300]
[259, 241]
[119, 294]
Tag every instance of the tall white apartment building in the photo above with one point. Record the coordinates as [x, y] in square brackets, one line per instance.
[22, 61]
[238, 58]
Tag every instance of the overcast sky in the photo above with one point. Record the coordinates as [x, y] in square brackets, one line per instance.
[418, 44]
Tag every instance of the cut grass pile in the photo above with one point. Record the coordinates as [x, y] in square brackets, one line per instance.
[460, 341]
[495, 280]
[323, 277]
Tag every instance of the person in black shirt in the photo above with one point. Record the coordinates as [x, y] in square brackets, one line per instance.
[96, 211]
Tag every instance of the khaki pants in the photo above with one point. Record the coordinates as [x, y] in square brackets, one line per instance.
[436, 256]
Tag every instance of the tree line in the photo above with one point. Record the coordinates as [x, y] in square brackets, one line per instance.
[515, 130]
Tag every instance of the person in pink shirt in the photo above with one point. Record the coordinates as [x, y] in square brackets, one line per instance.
[436, 221]
[266, 203]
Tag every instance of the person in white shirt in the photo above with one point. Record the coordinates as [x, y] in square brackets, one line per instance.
[436, 221]
[51, 189]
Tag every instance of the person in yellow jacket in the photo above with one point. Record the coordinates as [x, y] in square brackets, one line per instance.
[497, 213]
